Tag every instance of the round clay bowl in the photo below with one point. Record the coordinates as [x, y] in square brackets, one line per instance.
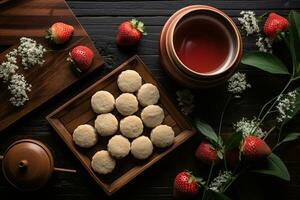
[177, 69]
[27, 164]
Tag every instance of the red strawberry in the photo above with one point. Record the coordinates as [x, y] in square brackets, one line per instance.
[81, 57]
[254, 147]
[275, 24]
[206, 153]
[60, 32]
[185, 185]
[130, 33]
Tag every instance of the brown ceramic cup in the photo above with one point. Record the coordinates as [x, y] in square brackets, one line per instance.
[177, 69]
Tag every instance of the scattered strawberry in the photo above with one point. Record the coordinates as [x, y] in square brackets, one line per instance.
[81, 57]
[185, 185]
[206, 153]
[254, 147]
[130, 33]
[275, 24]
[59, 32]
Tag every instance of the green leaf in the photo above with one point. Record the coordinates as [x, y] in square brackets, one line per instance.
[234, 141]
[294, 18]
[293, 40]
[220, 154]
[266, 62]
[206, 130]
[288, 138]
[274, 166]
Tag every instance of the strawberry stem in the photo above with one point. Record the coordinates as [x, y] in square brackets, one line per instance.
[138, 25]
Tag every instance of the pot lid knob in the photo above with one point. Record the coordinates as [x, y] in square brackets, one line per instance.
[27, 164]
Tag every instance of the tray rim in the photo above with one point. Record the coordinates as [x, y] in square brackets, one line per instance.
[115, 185]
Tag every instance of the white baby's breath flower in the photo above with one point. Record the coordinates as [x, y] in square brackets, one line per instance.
[31, 52]
[286, 105]
[264, 44]
[237, 84]
[185, 101]
[219, 182]
[9, 67]
[249, 22]
[18, 88]
[246, 126]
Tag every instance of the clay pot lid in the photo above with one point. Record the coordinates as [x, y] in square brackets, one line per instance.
[27, 164]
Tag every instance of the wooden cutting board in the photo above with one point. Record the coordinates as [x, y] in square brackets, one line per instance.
[20, 18]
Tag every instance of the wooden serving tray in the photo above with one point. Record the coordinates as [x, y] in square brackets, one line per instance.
[31, 19]
[78, 111]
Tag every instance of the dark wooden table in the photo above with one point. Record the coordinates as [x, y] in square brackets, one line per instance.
[101, 19]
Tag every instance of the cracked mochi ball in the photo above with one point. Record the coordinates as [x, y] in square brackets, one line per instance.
[129, 81]
[103, 163]
[85, 136]
[148, 94]
[118, 146]
[102, 102]
[127, 104]
[131, 126]
[152, 115]
[162, 136]
[141, 147]
[106, 124]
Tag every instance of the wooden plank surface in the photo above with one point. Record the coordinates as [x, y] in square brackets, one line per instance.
[32, 19]
[100, 19]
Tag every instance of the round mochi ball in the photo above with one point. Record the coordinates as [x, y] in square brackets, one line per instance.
[127, 104]
[131, 126]
[103, 163]
[141, 147]
[85, 136]
[152, 115]
[162, 136]
[118, 146]
[102, 102]
[129, 81]
[106, 124]
[148, 94]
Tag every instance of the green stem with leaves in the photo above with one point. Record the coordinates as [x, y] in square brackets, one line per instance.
[208, 181]
[272, 106]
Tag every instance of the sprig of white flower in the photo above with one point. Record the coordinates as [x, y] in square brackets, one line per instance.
[246, 126]
[185, 101]
[18, 88]
[31, 52]
[9, 67]
[286, 105]
[264, 44]
[237, 84]
[219, 182]
[249, 22]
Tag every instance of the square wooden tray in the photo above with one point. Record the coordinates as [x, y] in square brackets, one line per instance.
[78, 111]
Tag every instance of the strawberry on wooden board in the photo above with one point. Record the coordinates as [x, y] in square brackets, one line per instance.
[275, 24]
[81, 57]
[59, 32]
[254, 148]
[185, 185]
[130, 33]
[206, 153]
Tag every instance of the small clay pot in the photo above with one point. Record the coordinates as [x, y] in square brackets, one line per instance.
[28, 164]
[177, 69]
